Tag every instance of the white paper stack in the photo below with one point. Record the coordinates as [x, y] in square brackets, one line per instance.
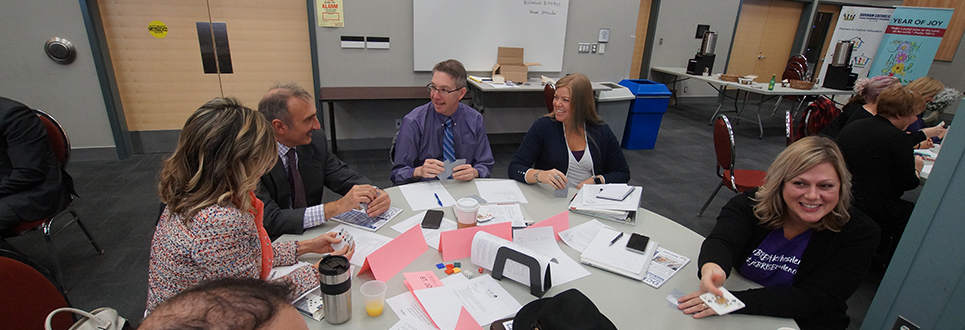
[587, 202]
[615, 257]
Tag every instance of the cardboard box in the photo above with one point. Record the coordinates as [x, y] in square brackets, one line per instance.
[510, 65]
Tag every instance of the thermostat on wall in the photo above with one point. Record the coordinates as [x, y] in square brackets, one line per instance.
[604, 35]
[60, 50]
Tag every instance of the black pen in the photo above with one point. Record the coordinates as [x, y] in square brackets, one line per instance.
[616, 239]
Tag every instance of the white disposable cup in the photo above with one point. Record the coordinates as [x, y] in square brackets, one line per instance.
[373, 297]
[466, 210]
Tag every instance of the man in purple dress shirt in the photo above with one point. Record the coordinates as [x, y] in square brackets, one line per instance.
[423, 142]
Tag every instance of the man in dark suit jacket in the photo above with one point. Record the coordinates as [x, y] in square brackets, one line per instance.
[292, 114]
[33, 186]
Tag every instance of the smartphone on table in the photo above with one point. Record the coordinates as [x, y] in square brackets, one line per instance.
[638, 243]
[432, 219]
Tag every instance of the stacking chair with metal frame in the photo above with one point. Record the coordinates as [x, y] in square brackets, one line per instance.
[737, 180]
[789, 127]
[548, 93]
[60, 145]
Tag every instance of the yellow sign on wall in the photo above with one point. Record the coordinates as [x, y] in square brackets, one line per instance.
[157, 29]
[330, 13]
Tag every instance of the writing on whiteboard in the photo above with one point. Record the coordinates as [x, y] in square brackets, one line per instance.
[542, 3]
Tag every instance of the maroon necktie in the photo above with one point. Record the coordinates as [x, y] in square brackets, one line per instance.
[295, 179]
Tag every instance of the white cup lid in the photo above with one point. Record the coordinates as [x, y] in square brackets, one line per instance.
[467, 204]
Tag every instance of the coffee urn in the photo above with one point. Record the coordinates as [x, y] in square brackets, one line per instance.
[703, 62]
[335, 279]
[838, 75]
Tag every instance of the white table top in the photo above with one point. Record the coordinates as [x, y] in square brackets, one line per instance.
[533, 85]
[757, 88]
[629, 304]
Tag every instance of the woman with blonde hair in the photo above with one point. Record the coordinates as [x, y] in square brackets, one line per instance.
[797, 236]
[919, 136]
[212, 226]
[862, 105]
[570, 146]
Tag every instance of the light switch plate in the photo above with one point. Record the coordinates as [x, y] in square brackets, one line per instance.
[377, 42]
[604, 35]
[353, 42]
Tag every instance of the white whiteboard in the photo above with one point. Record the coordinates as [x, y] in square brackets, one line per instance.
[472, 30]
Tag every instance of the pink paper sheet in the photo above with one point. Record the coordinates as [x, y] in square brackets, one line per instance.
[395, 255]
[457, 244]
[560, 222]
[421, 280]
[466, 322]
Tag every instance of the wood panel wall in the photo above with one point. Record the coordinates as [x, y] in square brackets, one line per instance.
[161, 81]
[953, 35]
[643, 21]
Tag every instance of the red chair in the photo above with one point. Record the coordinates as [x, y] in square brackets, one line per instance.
[27, 296]
[737, 180]
[796, 69]
[60, 144]
[548, 93]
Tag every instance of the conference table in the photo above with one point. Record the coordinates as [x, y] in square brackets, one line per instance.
[722, 86]
[628, 303]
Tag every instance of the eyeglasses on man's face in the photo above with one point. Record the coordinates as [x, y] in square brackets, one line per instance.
[432, 88]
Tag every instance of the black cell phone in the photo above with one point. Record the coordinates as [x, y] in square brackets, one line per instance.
[638, 243]
[432, 220]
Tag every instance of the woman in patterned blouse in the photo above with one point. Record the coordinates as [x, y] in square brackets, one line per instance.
[212, 225]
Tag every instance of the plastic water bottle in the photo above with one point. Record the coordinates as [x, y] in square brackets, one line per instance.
[770, 86]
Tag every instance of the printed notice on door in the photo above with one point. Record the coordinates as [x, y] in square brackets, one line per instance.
[330, 13]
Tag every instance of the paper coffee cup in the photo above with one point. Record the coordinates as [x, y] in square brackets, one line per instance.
[466, 210]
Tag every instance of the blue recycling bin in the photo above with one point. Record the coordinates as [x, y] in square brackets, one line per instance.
[646, 111]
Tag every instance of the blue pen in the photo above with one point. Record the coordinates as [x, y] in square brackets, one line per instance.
[438, 200]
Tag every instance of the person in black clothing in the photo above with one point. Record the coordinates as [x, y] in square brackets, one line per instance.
[861, 105]
[797, 236]
[33, 185]
[883, 163]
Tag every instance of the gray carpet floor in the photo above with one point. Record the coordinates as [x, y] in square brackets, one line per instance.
[119, 202]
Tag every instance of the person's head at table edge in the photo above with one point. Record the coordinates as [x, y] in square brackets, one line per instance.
[573, 103]
[228, 303]
[223, 150]
[900, 105]
[809, 182]
[866, 90]
[291, 112]
[448, 86]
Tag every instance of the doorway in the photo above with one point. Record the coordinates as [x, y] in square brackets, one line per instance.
[156, 53]
[764, 37]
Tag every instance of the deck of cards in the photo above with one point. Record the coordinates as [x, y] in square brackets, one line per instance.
[346, 239]
[722, 304]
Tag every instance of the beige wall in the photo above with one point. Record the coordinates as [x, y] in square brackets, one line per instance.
[71, 93]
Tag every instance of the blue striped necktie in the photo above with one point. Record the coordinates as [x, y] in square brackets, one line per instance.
[448, 149]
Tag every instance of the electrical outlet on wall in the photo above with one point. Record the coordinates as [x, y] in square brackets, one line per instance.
[685, 89]
[398, 123]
